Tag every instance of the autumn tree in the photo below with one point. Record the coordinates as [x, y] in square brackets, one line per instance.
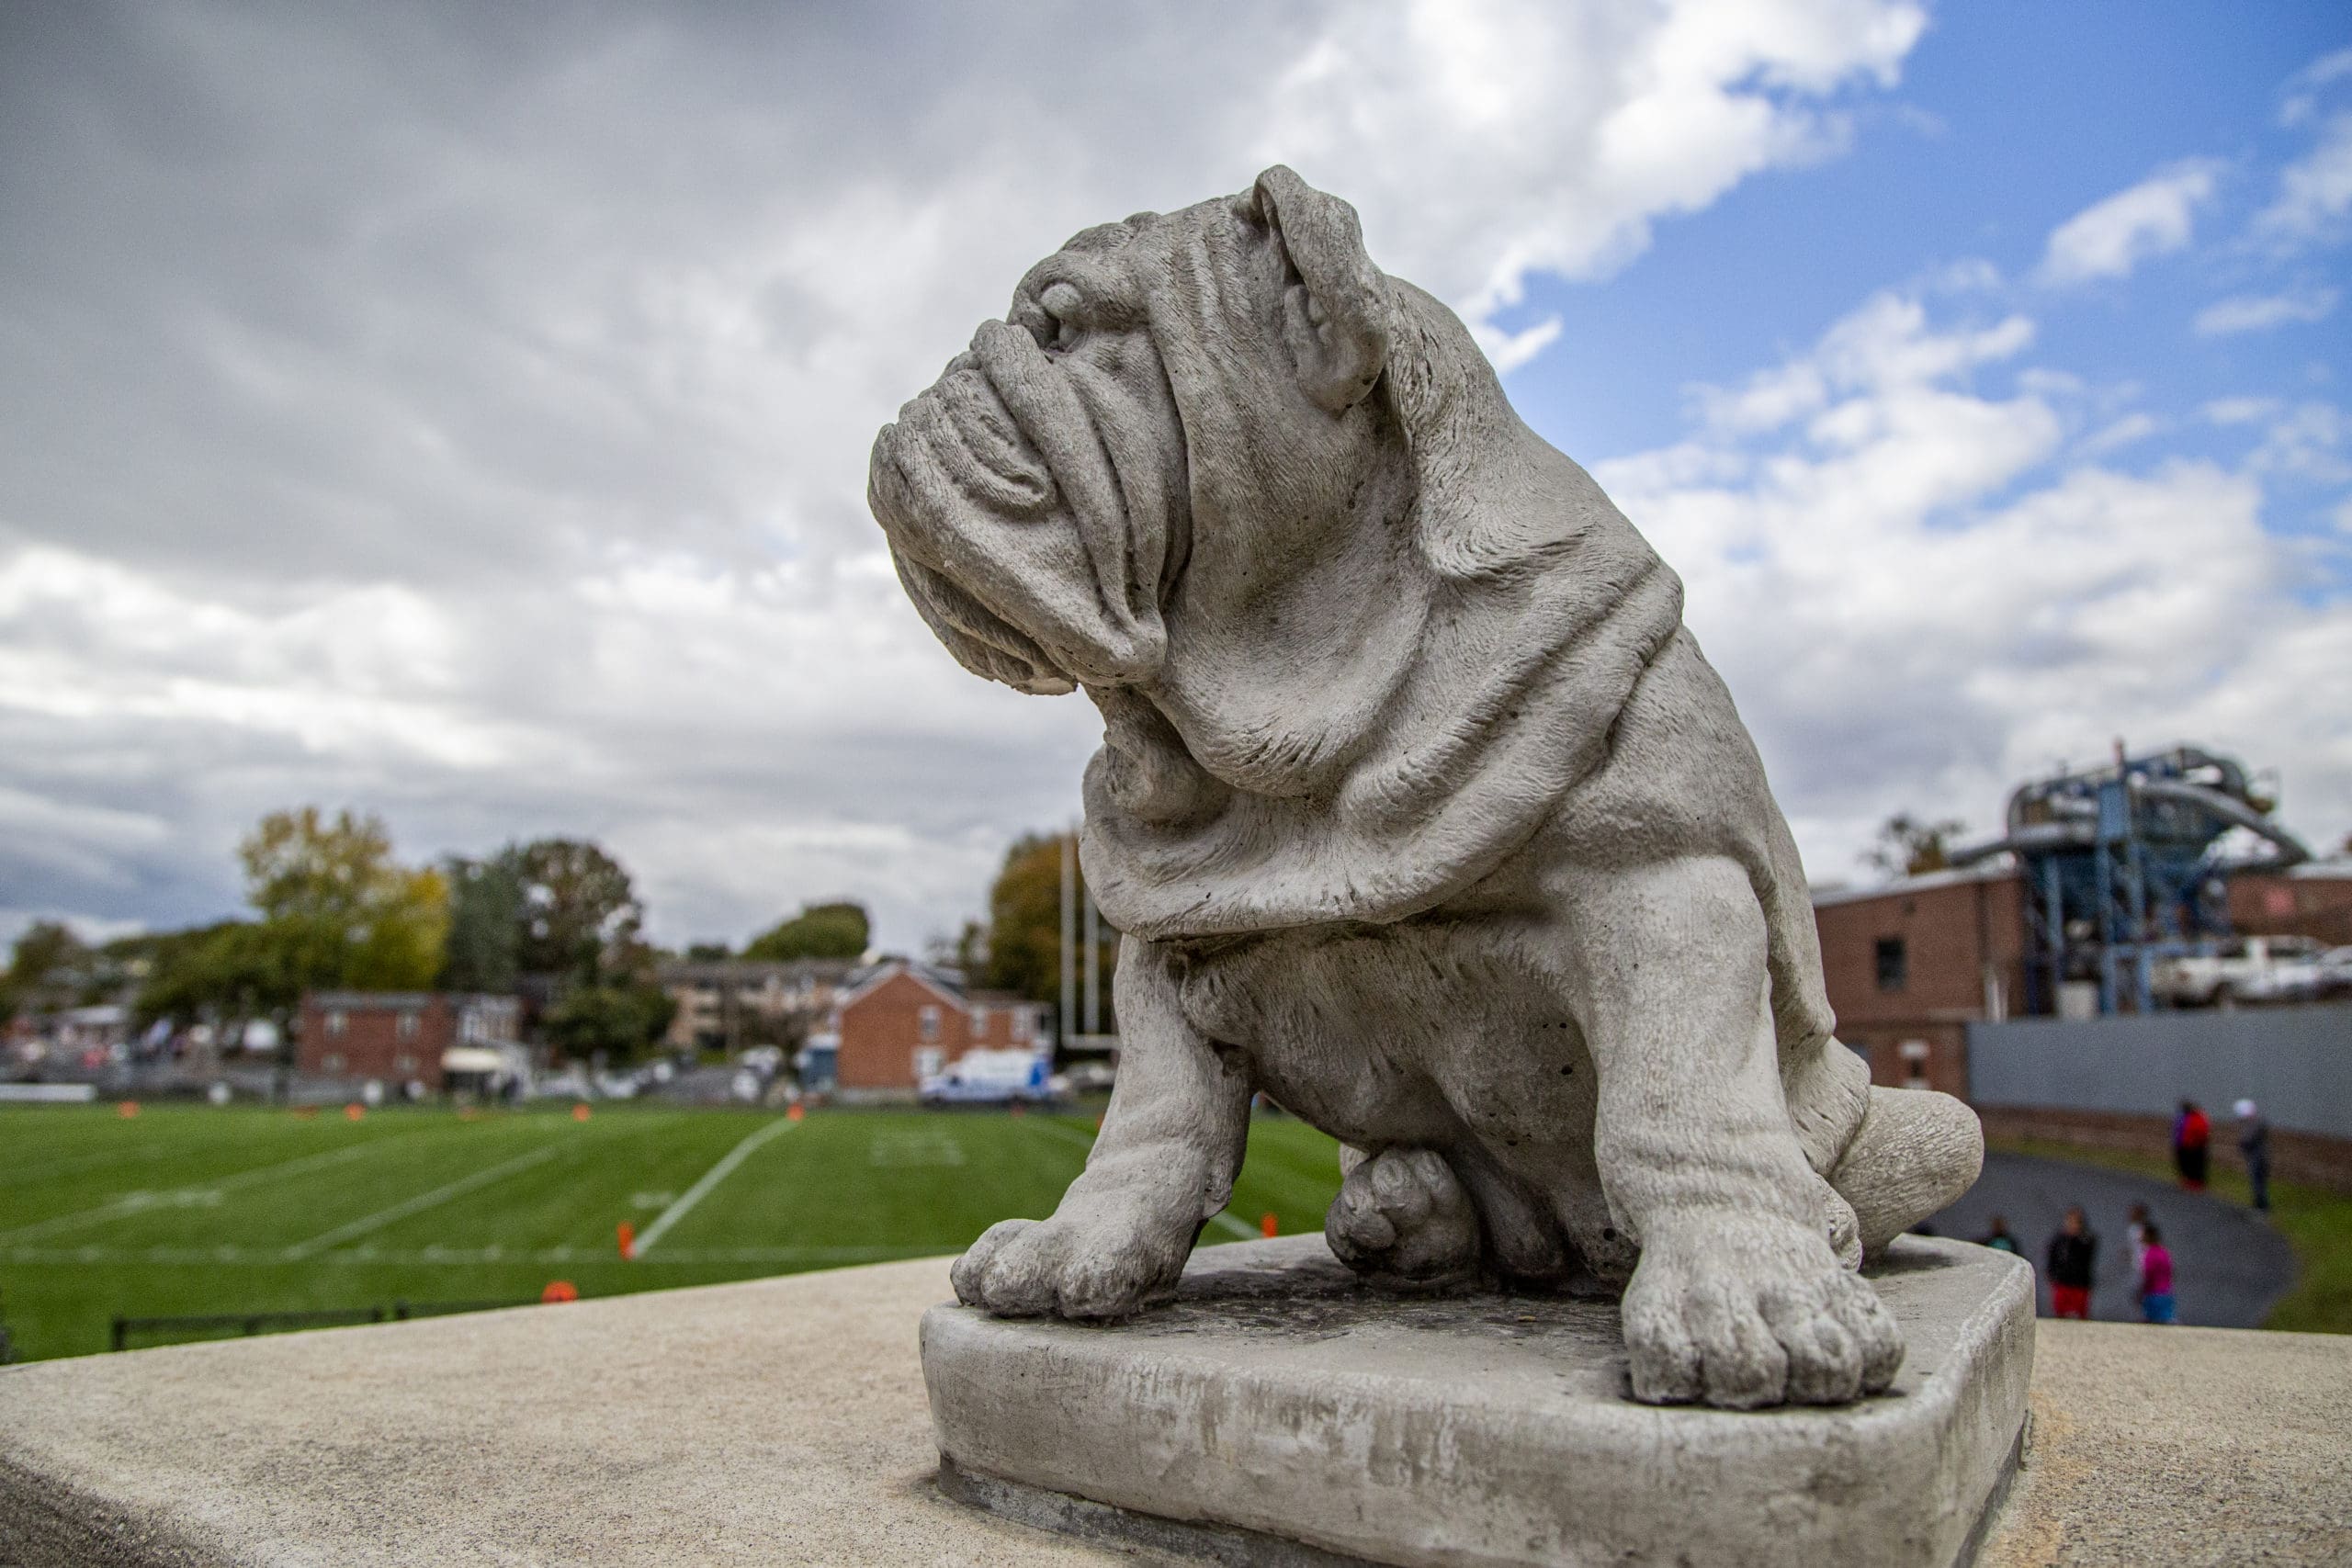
[1023, 942]
[334, 910]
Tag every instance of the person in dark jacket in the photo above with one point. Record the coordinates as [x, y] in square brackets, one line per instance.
[2254, 1143]
[2074, 1252]
[2192, 1144]
[1999, 1237]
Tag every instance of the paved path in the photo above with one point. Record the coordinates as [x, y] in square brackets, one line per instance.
[2229, 1266]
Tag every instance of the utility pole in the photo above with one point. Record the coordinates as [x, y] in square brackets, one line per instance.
[1093, 965]
[1069, 1020]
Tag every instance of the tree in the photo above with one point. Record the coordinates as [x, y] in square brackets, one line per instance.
[331, 894]
[336, 910]
[581, 917]
[616, 1020]
[1908, 846]
[46, 969]
[1023, 941]
[819, 930]
[484, 948]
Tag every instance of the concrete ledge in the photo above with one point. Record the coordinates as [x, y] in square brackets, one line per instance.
[784, 1422]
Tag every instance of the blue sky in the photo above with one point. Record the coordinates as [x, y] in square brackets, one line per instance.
[2009, 118]
[462, 415]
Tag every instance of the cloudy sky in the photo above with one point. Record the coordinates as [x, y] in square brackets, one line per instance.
[460, 412]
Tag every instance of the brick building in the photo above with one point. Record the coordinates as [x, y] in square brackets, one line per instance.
[728, 1004]
[903, 1021]
[1911, 965]
[397, 1037]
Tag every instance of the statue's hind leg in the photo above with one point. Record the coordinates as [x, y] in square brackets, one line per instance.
[1403, 1218]
[1915, 1152]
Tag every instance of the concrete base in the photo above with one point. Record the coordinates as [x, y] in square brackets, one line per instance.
[1278, 1400]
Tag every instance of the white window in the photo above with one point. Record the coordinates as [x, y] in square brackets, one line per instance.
[928, 1059]
[927, 1021]
[408, 1026]
[1021, 1023]
[404, 1063]
[1914, 1062]
[335, 1028]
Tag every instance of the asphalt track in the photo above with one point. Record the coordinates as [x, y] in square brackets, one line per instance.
[2229, 1267]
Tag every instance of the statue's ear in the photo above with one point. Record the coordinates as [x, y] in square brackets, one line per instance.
[1335, 317]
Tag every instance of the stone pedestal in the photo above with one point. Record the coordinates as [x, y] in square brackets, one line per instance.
[1278, 1411]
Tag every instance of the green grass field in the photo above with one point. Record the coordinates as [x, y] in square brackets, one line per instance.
[202, 1210]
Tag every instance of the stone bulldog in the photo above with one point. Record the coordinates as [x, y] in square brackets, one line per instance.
[1418, 806]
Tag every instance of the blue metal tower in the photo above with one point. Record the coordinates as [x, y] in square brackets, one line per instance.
[2126, 864]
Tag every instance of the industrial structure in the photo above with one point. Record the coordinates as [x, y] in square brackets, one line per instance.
[2128, 864]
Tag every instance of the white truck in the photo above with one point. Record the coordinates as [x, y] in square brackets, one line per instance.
[991, 1078]
[2247, 969]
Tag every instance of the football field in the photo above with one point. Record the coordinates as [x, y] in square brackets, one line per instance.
[197, 1209]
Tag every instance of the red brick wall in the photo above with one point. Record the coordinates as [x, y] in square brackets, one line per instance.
[370, 1044]
[1948, 933]
[2309, 1158]
[881, 1030]
[2319, 907]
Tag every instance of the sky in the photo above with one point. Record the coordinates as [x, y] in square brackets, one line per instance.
[462, 412]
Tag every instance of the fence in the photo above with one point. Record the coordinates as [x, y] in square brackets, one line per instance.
[2295, 1062]
[250, 1323]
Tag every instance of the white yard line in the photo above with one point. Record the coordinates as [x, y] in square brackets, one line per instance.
[710, 1178]
[421, 1203]
[1240, 1229]
[1067, 1134]
[139, 1203]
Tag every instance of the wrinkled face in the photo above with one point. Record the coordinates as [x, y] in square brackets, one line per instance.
[1197, 382]
[1034, 496]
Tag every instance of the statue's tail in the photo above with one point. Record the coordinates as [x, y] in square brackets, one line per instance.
[1915, 1152]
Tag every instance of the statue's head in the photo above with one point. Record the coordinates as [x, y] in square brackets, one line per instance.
[1179, 382]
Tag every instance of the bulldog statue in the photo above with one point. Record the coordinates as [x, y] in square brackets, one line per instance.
[1417, 811]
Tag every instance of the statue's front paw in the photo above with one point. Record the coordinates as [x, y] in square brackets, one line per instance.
[1066, 1267]
[1745, 1311]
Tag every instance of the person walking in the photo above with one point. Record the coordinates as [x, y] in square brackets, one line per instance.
[2192, 1145]
[2074, 1252]
[1998, 1238]
[2155, 1280]
[2254, 1143]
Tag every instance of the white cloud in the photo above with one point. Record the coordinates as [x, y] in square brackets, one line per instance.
[2109, 238]
[2131, 429]
[1485, 141]
[2259, 313]
[468, 419]
[2300, 97]
[1919, 598]
[2314, 191]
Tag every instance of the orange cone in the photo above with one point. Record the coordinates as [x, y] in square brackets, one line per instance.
[127, 1107]
[580, 1114]
[794, 1111]
[628, 1234]
[561, 1290]
[354, 1110]
[1271, 1225]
